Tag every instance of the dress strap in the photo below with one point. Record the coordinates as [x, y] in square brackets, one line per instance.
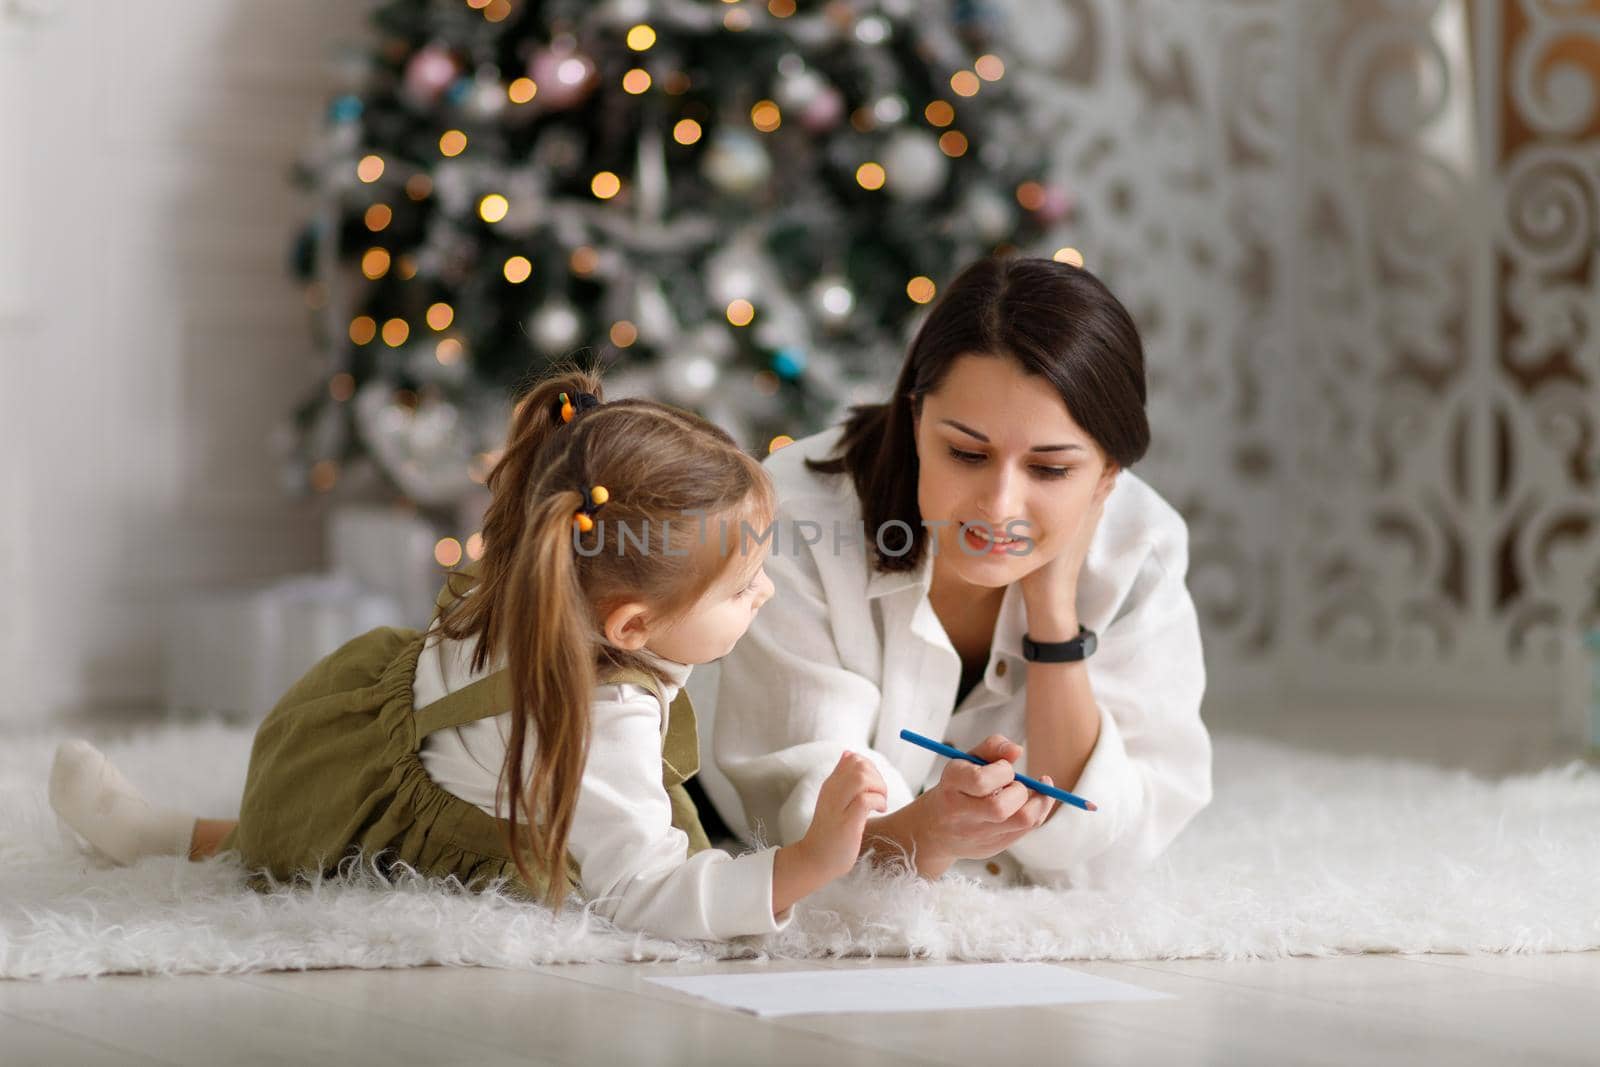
[483, 699]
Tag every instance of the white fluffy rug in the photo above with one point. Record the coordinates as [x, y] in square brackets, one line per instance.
[1300, 854]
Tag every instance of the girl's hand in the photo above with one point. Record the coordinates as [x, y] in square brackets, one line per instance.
[832, 843]
[975, 812]
[1050, 593]
[852, 792]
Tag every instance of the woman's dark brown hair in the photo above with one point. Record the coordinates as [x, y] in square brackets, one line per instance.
[539, 601]
[1057, 321]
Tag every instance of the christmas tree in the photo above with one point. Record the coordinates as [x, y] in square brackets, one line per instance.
[736, 207]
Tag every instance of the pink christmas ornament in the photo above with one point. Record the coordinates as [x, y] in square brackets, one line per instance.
[563, 74]
[429, 73]
[824, 110]
[1057, 205]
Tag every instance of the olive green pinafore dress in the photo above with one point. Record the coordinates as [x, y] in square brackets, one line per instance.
[334, 773]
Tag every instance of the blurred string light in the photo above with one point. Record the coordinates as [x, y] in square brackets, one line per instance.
[1070, 256]
[765, 116]
[452, 143]
[370, 169]
[522, 90]
[518, 269]
[440, 316]
[686, 132]
[605, 185]
[636, 81]
[493, 207]
[448, 352]
[990, 68]
[324, 475]
[870, 176]
[920, 289]
[378, 217]
[965, 83]
[939, 113]
[741, 312]
[447, 553]
[375, 263]
[641, 38]
[363, 328]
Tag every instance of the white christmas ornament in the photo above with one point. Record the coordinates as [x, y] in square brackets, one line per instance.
[890, 109]
[554, 329]
[712, 342]
[736, 162]
[488, 97]
[688, 379]
[796, 91]
[916, 168]
[833, 299]
[734, 273]
[990, 214]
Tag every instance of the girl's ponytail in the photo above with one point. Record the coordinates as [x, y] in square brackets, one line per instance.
[552, 671]
[528, 603]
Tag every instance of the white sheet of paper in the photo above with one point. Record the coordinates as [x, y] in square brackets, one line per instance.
[937, 987]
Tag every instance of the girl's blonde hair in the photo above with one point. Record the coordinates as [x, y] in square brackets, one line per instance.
[540, 602]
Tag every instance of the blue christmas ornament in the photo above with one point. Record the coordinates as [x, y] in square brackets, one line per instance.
[303, 251]
[460, 90]
[789, 362]
[347, 108]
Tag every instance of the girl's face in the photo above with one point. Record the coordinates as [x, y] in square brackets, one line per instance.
[995, 445]
[711, 628]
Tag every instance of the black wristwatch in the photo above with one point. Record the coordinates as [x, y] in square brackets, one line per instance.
[1079, 648]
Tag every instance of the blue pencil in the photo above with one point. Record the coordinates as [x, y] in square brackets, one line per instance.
[1038, 787]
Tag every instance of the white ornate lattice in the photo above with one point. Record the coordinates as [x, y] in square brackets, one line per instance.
[1360, 237]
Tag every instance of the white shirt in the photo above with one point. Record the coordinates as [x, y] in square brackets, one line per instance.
[634, 863]
[844, 657]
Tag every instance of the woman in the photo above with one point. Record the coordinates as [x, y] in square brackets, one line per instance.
[973, 561]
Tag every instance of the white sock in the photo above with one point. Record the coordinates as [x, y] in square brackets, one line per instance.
[93, 798]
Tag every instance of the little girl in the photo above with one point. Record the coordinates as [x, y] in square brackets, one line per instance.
[538, 731]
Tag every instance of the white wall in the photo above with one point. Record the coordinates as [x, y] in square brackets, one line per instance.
[150, 338]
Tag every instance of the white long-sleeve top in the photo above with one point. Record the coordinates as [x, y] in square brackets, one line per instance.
[844, 657]
[634, 864]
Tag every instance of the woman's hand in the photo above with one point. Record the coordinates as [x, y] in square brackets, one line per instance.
[1050, 593]
[832, 843]
[972, 812]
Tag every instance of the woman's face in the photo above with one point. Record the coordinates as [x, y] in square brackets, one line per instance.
[996, 446]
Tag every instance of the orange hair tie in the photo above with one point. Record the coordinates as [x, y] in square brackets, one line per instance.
[568, 408]
[595, 499]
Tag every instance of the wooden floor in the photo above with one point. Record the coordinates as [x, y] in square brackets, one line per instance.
[1352, 1009]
